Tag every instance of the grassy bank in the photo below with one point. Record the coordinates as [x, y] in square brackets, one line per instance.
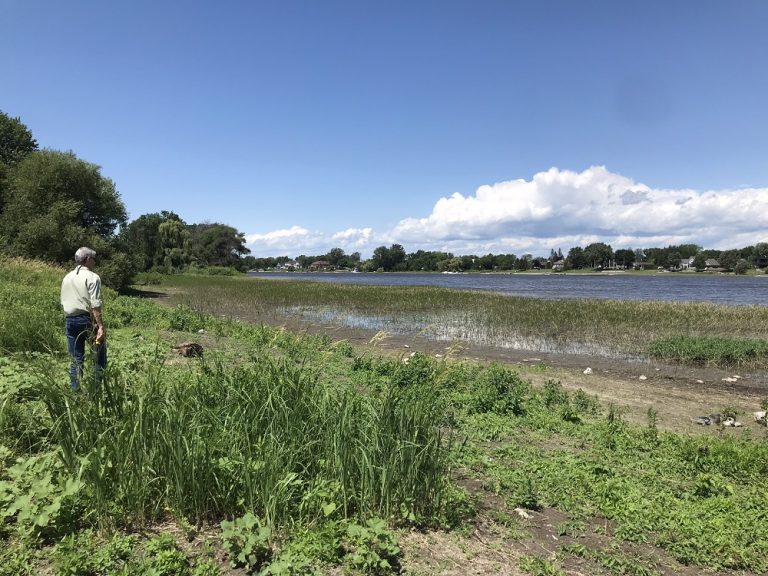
[280, 454]
[610, 328]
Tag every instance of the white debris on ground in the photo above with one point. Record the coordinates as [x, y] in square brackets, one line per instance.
[522, 513]
[643, 377]
[728, 421]
[588, 371]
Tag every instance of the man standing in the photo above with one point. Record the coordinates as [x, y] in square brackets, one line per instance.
[81, 300]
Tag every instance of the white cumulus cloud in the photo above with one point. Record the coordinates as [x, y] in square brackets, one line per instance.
[354, 237]
[561, 206]
[554, 209]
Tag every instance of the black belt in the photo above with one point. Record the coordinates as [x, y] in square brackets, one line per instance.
[79, 315]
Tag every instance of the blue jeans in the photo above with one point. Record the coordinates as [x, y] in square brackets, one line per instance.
[78, 330]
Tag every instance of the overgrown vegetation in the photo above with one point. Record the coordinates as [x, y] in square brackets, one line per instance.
[290, 455]
[599, 327]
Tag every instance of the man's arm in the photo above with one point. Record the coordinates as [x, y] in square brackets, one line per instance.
[96, 313]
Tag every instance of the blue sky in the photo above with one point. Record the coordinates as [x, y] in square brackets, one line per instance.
[467, 126]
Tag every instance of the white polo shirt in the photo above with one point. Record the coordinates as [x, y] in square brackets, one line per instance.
[80, 291]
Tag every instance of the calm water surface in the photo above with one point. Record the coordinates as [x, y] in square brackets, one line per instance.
[720, 289]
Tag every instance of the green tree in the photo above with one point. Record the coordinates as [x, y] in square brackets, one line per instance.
[625, 257]
[741, 267]
[524, 262]
[16, 141]
[142, 240]
[729, 259]
[506, 261]
[454, 264]
[388, 259]
[487, 262]
[760, 254]
[576, 259]
[217, 245]
[174, 237]
[336, 257]
[55, 203]
[425, 260]
[699, 261]
[598, 255]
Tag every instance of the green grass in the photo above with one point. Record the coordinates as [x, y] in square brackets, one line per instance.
[711, 350]
[308, 455]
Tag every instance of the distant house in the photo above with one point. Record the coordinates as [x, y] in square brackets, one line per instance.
[289, 265]
[320, 265]
[711, 264]
[558, 266]
[687, 263]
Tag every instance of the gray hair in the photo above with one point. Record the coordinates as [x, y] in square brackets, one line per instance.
[83, 254]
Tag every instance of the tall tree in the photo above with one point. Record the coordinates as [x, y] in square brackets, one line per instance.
[55, 203]
[598, 254]
[625, 257]
[388, 259]
[575, 259]
[217, 245]
[142, 240]
[16, 142]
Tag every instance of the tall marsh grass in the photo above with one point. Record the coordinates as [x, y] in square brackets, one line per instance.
[610, 328]
[266, 435]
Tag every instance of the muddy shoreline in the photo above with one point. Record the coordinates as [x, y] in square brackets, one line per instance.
[676, 393]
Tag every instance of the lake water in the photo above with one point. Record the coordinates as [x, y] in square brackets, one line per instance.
[685, 287]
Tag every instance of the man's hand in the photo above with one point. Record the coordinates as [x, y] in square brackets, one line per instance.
[99, 336]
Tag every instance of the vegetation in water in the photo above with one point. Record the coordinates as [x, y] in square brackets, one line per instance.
[596, 327]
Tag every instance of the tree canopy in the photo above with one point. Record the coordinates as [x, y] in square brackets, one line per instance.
[55, 203]
[16, 140]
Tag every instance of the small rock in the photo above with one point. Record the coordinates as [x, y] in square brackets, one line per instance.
[699, 381]
[201, 331]
[729, 379]
[522, 513]
[406, 346]
[760, 417]
[643, 377]
[438, 355]
[736, 376]
[588, 371]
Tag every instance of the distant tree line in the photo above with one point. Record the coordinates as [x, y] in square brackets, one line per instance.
[52, 202]
[596, 256]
